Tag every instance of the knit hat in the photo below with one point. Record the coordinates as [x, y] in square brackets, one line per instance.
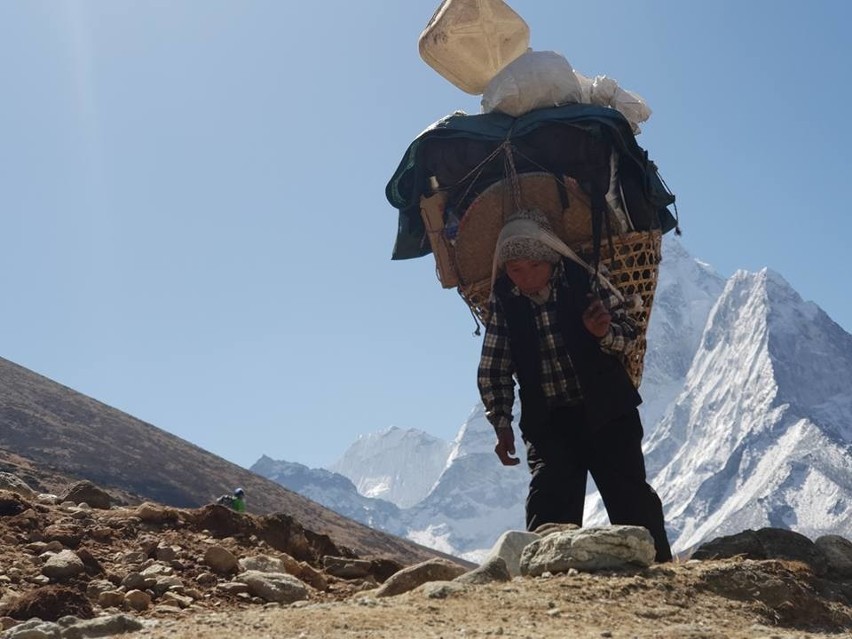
[518, 240]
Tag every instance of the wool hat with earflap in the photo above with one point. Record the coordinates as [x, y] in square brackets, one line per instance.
[520, 239]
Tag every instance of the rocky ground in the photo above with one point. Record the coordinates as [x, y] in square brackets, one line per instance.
[72, 566]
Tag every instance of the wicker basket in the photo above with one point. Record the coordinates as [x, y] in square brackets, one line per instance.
[633, 263]
[465, 262]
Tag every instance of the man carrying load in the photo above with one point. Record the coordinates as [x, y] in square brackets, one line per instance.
[554, 328]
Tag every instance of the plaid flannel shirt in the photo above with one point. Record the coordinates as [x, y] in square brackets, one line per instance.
[559, 381]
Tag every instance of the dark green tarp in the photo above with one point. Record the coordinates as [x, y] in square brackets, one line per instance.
[477, 136]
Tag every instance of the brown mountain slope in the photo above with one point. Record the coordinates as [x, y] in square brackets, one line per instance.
[50, 433]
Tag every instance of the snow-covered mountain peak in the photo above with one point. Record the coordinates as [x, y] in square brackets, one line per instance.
[398, 465]
[475, 435]
[764, 399]
[780, 340]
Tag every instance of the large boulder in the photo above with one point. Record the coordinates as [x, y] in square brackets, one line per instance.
[490, 571]
[274, 586]
[419, 574]
[838, 552]
[15, 484]
[589, 549]
[63, 565]
[86, 492]
[509, 547]
[766, 543]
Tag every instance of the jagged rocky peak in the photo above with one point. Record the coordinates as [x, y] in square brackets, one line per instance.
[760, 434]
[762, 326]
[475, 435]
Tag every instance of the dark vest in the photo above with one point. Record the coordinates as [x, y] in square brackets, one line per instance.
[608, 392]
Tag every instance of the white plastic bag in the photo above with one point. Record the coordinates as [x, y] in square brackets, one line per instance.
[534, 80]
[606, 92]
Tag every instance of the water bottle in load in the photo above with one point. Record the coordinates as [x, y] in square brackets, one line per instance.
[469, 41]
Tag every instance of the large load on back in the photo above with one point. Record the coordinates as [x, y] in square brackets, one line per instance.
[577, 162]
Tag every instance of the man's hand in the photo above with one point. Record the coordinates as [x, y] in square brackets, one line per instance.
[596, 318]
[505, 447]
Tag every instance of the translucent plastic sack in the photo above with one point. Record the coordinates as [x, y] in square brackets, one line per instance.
[469, 41]
[534, 80]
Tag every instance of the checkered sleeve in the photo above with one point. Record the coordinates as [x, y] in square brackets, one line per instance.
[622, 329]
[495, 374]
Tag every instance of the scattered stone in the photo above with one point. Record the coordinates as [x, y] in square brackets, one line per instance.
[417, 575]
[267, 563]
[221, 560]
[164, 584]
[233, 587]
[135, 557]
[510, 545]
[63, 565]
[151, 513]
[38, 547]
[182, 601]
[137, 600]
[110, 599]
[166, 553]
[492, 570]
[346, 568]
[206, 579]
[441, 589]
[86, 491]
[311, 576]
[589, 549]
[109, 626]
[134, 581]
[96, 586]
[157, 570]
[91, 565]
[15, 484]
[274, 586]
[69, 535]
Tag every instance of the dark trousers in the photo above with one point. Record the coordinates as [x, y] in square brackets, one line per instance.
[561, 455]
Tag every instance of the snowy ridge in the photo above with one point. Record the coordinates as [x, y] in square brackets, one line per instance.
[332, 490]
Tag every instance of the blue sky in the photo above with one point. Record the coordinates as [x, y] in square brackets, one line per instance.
[192, 195]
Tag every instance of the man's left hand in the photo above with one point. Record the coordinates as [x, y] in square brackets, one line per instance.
[596, 318]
